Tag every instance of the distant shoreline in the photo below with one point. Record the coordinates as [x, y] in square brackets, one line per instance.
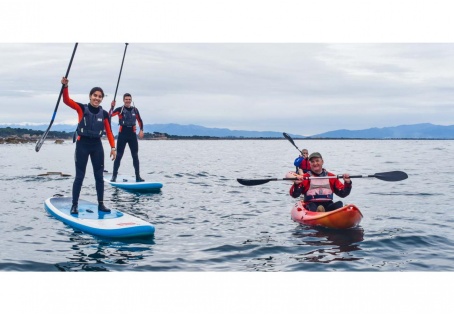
[59, 141]
[20, 135]
[310, 139]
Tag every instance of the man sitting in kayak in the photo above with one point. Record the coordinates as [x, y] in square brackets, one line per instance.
[318, 193]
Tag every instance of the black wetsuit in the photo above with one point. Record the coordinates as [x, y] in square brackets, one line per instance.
[89, 147]
[127, 135]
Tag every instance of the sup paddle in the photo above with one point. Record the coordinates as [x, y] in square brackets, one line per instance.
[40, 142]
[121, 68]
[393, 176]
[291, 141]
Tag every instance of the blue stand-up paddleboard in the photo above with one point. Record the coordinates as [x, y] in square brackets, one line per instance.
[129, 183]
[115, 224]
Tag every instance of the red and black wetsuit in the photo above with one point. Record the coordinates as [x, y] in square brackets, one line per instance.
[91, 123]
[127, 118]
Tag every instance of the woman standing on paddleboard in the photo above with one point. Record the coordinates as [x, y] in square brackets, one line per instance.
[93, 120]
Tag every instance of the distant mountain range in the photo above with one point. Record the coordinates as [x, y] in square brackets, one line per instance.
[417, 131]
[195, 130]
[171, 129]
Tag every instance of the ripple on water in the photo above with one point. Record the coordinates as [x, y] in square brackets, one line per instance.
[206, 221]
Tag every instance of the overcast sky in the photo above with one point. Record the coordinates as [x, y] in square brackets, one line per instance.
[302, 87]
[337, 82]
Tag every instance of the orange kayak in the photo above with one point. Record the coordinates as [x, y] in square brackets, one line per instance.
[343, 218]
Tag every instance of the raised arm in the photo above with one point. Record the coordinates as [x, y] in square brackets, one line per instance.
[68, 101]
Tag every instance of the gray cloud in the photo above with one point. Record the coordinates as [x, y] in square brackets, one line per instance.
[298, 88]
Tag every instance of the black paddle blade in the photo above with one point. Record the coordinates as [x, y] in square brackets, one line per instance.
[288, 138]
[291, 140]
[393, 176]
[40, 142]
[254, 182]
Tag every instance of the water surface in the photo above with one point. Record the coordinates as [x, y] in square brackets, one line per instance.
[206, 221]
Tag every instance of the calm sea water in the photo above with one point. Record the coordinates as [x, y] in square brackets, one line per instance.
[206, 222]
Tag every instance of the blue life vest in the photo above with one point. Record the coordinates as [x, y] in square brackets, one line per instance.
[91, 125]
[298, 161]
[128, 117]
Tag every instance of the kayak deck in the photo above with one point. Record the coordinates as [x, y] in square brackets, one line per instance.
[348, 216]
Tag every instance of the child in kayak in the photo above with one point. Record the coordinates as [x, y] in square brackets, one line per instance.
[318, 193]
[302, 162]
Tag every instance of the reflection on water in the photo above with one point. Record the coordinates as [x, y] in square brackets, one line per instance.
[104, 254]
[130, 196]
[136, 203]
[328, 245]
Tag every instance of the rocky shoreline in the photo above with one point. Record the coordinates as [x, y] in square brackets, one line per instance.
[19, 140]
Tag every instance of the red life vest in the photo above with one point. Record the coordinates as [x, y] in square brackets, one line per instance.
[319, 189]
[305, 165]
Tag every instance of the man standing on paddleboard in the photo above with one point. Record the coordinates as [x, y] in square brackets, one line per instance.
[318, 192]
[93, 120]
[127, 117]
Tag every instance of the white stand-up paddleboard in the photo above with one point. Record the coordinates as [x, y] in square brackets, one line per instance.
[115, 224]
[128, 182]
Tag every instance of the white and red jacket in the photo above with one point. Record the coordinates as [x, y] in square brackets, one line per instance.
[320, 190]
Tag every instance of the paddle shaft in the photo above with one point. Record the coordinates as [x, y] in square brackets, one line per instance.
[313, 177]
[121, 68]
[41, 141]
[351, 176]
[387, 176]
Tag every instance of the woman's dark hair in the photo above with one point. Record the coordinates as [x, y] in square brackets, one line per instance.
[127, 94]
[97, 88]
